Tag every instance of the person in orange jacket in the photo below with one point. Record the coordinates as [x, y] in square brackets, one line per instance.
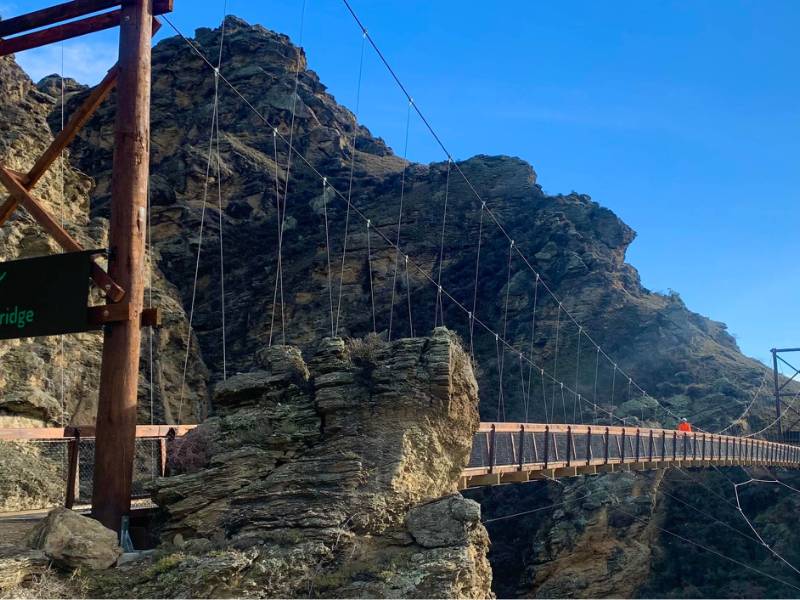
[684, 425]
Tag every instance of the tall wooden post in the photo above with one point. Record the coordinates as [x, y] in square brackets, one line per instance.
[117, 407]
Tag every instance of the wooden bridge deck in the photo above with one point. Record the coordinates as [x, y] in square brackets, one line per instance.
[520, 452]
[511, 452]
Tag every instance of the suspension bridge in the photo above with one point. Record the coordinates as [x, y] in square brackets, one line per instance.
[583, 430]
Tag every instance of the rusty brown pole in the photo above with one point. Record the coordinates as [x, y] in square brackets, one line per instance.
[117, 407]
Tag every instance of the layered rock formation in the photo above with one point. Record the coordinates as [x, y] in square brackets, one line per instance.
[335, 478]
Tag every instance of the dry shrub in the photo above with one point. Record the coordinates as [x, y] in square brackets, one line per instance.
[189, 453]
[366, 349]
[48, 584]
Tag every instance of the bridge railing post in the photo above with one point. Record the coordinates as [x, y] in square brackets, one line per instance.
[492, 448]
[674, 446]
[546, 445]
[605, 447]
[650, 446]
[569, 445]
[521, 446]
[703, 455]
[622, 448]
[588, 446]
[685, 446]
[638, 441]
[663, 446]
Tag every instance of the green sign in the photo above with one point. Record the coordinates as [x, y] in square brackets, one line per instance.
[45, 296]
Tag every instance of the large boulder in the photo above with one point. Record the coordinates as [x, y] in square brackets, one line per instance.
[72, 540]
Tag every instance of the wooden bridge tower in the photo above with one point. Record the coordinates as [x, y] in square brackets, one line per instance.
[123, 283]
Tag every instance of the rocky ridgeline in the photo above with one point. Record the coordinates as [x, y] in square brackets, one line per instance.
[332, 478]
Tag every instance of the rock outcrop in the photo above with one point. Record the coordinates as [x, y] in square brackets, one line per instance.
[335, 478]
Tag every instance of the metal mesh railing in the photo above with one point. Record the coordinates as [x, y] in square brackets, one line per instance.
[533, 446]
[48, 467]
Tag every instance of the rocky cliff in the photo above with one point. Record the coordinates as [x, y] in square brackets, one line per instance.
[332, 478]
[688, 363]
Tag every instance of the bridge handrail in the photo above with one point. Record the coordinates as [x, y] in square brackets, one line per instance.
[578, 429]
[12, 434]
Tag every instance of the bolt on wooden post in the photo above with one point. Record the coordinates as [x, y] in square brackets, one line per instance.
[117, 407]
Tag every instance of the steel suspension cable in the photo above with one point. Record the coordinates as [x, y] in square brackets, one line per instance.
[613, 386]
[577, 377]
[422, 271]
[749, 524]
[221, 255]
[289, 154]
[533, 334]
[408, 296]
[350, 184]
[278, 270]
[473, 314]
[439, 308]
[328, 251]
[789, 406]
[199, 252]
[525, 393]
[555, 364]
[748, 407]
[219, 196]
[460, 171]
[369, 265]
[399, 217]
[501, 398]
[596, 372]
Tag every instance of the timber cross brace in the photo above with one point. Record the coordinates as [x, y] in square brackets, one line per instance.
[20, 185]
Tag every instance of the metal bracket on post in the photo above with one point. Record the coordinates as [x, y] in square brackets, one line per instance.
[73, 482]
[492, 448]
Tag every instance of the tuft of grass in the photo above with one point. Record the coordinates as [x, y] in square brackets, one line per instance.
[48, 584]
[366, 349]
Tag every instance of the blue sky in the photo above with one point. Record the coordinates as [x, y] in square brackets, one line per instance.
[682, 117]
